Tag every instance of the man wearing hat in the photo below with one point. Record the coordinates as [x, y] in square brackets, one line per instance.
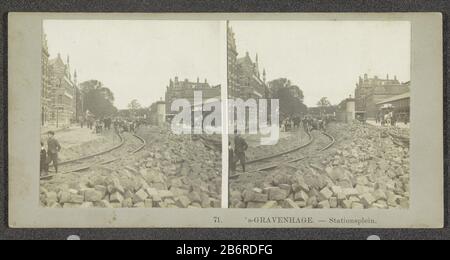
[53, 149]
[240, 147]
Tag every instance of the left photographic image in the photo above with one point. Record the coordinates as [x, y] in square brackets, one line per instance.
[130, 114]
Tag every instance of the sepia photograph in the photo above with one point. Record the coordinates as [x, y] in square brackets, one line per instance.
[342, 114]
[106, 111]
[222, 120]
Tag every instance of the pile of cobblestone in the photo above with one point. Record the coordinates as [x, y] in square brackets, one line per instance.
[172, 172]
[365, 170]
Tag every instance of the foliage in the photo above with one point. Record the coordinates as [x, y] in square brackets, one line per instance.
[98, 99]
[324, 102]
[134, 105]
[290, 97]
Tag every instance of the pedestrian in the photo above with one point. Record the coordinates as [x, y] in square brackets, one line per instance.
[231, 161]
[240, 146]
[305, 124]
[44, 163]
[53, 149]
[81, 121]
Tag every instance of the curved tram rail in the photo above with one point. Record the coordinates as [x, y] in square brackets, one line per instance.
[277, 163]
[87, 162]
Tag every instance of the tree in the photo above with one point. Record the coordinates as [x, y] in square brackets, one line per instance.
[98, 99]
[324, 102]
[134, 105]
[290, 98]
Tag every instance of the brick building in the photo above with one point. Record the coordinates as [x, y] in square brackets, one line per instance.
[399, 104]
[232, 63]
[370, 91]
[46, 91]
[64, 94]
[185, 90]
[244, 78]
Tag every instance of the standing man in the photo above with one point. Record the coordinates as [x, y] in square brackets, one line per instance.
[44, 163]
[53, 149]
[231, 161]
[240, 146]
[305, 124]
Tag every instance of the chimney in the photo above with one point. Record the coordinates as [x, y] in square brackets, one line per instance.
[198, 80]
[366, 77]
[176, 80]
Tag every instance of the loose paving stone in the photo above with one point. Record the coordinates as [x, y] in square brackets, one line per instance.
[251, 196]
[367, 200]
[326, 194]
[347, 204]
[333, 202]
[116, 198]
[278, 194]
[301, 196]
[289, 204]
[183, 202]
[270, 205]
[92, 195]
[140, 196]
[356, 205]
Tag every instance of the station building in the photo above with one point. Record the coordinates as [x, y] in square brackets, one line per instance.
[186, 90]
[370, 91]
[399, 104]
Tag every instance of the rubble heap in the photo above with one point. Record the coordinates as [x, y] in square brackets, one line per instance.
[172, 172]
[365, 170]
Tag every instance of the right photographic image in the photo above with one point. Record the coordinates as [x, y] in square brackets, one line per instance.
[319, 114]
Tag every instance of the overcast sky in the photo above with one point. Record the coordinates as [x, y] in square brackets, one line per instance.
[136, 59]
[326, 58]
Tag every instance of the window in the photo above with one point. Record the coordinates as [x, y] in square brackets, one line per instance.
[60, 99]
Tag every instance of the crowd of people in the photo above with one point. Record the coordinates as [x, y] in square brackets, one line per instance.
[391, 119]
[51, 148]
[308, 122]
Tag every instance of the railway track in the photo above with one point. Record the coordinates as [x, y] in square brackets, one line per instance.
[129, 144]
[288, 157]
[400, 140]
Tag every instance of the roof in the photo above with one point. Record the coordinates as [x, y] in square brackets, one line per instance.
[396, 98]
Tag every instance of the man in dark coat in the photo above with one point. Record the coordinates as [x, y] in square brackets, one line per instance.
[44, 163]
[231, 161]
[53, 149]
[240, 147]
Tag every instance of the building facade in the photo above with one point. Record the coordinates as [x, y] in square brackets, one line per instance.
[399, 104]
[185, 90]
[244, 76]
[63, 94]
[370, 91]
[232, 53]
[46, 105]
[346, 111]
[158, 113]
